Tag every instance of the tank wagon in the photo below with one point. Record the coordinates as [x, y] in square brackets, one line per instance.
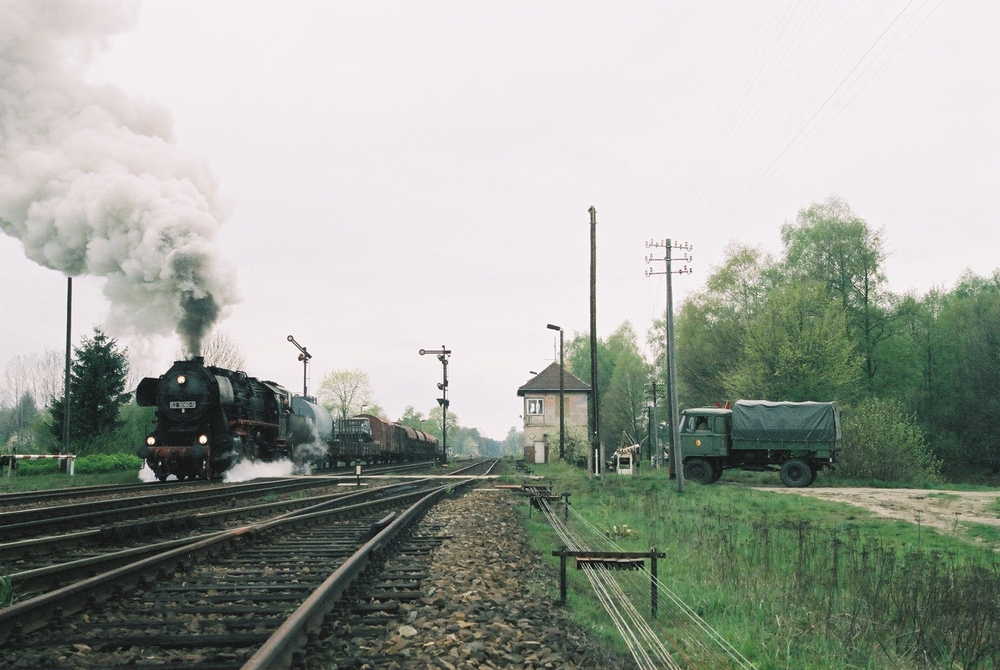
[796, 439]
[210, 418]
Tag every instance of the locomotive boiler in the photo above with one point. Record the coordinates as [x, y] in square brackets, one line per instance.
[209, 418]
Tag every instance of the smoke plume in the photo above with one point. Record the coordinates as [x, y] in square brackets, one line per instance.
[91, 181]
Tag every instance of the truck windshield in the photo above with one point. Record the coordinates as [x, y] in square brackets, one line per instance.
[693, 423]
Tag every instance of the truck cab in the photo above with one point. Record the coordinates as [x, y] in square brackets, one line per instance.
[705, 431]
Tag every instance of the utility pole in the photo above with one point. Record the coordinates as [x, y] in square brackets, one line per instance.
[304, 356]
[69, 349]
[442, 354]
[595, 437]
[676, 457]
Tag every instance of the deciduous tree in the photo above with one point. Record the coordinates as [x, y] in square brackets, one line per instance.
[712, 324]
[830, 244]
[346, 392]
[797, 349]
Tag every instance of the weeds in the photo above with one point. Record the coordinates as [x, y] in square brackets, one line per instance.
[796, 582]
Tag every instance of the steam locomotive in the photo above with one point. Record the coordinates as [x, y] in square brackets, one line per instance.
[210, 418]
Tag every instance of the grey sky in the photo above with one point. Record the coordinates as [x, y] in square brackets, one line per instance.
[404, 175]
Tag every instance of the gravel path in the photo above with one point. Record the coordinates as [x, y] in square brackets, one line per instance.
[484, 603]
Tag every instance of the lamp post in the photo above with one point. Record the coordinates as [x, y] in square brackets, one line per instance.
[442, 355]
[562, 394]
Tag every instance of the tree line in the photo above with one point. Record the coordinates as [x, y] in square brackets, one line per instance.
[105, 418]
[917, 375]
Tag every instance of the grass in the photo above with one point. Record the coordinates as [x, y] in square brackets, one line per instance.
[793, 581]
[17, 483]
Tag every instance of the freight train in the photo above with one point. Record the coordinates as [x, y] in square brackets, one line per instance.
[209, 418]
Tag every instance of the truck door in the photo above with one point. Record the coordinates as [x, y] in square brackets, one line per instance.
[703, 437]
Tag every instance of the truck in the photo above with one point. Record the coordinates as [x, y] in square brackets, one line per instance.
[797, 439]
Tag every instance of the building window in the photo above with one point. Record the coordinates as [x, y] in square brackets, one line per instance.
[534, 407]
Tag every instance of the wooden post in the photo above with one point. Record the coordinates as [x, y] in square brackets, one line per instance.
[562, 576]
[653, 590]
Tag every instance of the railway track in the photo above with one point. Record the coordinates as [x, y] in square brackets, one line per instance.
[240, 596]
[53, 560]
[142, 505]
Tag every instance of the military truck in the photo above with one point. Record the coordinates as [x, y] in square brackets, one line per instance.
[798, 439]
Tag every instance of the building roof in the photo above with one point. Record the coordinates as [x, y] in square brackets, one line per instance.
[548, 380]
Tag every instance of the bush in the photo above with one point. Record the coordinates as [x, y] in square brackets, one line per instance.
[883, 442]
[26, 468]
[576, 447]
[95, 463]
[85, 465]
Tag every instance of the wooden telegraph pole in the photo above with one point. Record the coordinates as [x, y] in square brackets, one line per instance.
[676, 457]
[595, 436]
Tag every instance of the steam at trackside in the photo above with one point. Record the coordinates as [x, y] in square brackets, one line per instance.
[92, 183]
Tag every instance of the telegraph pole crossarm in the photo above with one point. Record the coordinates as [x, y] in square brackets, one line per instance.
[676, 457]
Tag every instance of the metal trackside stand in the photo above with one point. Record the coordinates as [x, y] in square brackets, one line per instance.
[612, 560]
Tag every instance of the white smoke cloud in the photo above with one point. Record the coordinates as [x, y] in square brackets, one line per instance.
[91, 181]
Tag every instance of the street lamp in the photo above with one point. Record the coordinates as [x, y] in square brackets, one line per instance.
[442, 355]
[562, 394]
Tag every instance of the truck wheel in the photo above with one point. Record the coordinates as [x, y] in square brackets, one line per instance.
[699, 470]
[716, 472]
[796, 473]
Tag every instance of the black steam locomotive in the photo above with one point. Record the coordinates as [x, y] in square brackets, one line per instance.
[210, 418]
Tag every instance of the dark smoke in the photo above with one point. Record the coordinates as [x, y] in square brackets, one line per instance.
[199, 315]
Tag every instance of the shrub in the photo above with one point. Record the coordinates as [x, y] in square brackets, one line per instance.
[26, 468]
[576, 447]
[883, 442]
[95, 463]
[85, 465]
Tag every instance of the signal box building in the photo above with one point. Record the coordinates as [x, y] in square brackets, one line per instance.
[541, 412]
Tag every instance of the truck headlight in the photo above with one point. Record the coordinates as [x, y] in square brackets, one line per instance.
[203, 439]
[150, 440]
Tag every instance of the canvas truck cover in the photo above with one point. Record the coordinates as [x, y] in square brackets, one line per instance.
[766, 421]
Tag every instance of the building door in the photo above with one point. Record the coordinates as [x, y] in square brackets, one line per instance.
[539, 452]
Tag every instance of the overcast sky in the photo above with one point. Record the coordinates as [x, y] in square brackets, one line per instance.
[402, 175]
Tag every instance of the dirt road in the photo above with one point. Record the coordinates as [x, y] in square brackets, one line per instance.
[940, 509]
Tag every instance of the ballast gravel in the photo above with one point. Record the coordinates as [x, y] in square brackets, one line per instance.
[484, 603]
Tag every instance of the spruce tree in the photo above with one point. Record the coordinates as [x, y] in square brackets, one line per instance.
[97, 392]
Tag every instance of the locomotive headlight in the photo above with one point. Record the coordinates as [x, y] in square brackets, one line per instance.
[203, 439]
[150, 440]
[181, 380]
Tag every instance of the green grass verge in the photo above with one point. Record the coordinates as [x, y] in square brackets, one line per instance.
[58, 481]
[792, 581]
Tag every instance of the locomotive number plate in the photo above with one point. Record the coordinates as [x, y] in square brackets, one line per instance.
[183, 404]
